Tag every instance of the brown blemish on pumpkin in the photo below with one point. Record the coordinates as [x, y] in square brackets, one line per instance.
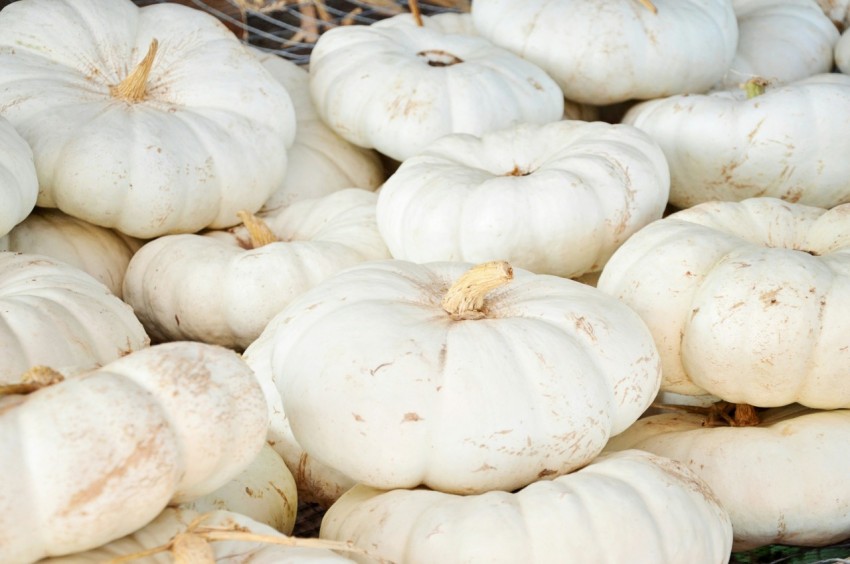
[358, 418]
[411, 417]
[585, 327]
[769, 298]
[546, 472]
[484, 468]
[373, 371]
[439, 58]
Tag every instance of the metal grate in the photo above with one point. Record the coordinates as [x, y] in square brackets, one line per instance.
[291, 29]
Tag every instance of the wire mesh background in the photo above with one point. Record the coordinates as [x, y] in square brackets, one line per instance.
[291, 29]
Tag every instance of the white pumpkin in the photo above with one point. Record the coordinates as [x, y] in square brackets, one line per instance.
[54, 314]
[726, 146]
[222, 287]
[780, 41]
[319, 161]
[627, 507]
[18, 180]
[746, 300]
[150, 120]
[99, 455]
[396, 87]
[555, 199]
[186, 536]
[606, 52]
[399, 374]
[101, 252]
[837, 10]
[782, 481]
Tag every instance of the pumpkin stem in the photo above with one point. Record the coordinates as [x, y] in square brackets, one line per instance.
[649, 6]
[259, 231]
[465, 298]
[414, 10]
[755, 87]
[133, 88]
[720, 414]
[33, 380]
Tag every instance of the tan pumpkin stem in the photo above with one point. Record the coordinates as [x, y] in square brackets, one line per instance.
[259, 231]
[719, 414]
[755, 87]
[415, 12]
[465, 298]
[32, 380]
[649, 6]
[134, 87]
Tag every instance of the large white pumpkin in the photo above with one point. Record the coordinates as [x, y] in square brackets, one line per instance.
[555, 199]
[397, 87]
[607, 52]
[628, 507]
[726, 146]
[465, 380]
[746, 300]
[201, 135]
[18, 180]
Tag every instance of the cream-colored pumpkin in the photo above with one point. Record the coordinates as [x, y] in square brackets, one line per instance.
[554, 199]
[319, 161]
[606, 52]
[397, 87]
[222, 288]
[18, 180]
[316, 482]
[746, 300]
[201, 136]
[780, 41]
[264, 491]
[172, 524]
[782, 482]
[724, 146]
[837, 10]
[627, 507]
[54, 314]
[395, 379]
[101, 252]
[99, 455]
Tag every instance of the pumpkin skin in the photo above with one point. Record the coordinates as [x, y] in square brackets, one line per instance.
[54, 314]
[396, 87]
[319, 161]
[746, 300]
[101, 252]
[723, 146]
[18, 180]
[842, 53]
[780, 41]
[604, 53]
[215, 288]
[782, 482]
[190, 154]
[649, 509]
[531, 389]
[554, 199]
[174, 521]
[99, 455]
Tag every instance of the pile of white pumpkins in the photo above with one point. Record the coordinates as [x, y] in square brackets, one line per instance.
[425, 285]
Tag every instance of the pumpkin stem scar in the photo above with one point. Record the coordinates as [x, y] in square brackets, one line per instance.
[649, 6]
[259, 231]
[754, 87]
[33, 380]
[439, 58]
[134, 87]
[465, 298]
[415, 12]
[720, 414]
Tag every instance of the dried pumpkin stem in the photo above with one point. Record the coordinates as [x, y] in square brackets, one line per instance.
[465, 298]
[649, 6]
[259, 231]
[32, 380]
[134, 87]
[719, 414]
[755, 87]
[417, 14]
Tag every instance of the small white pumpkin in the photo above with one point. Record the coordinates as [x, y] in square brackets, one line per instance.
[397, 87]
[149, 120]
[222, 287]
[99, 455]
[101, 252]
[607, 52]
[464, 380]
[54, 314]
[18, 180]
[746, 300]
[555, 199]
[726, 146]
[627, 507]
